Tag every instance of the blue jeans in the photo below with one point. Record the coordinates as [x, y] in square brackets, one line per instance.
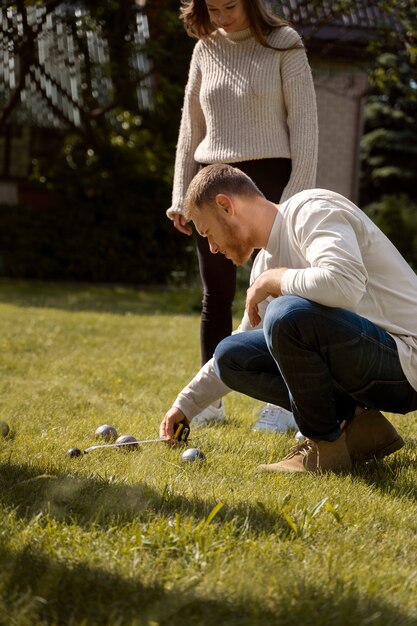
[317, 361]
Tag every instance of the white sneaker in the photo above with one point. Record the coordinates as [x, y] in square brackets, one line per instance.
[275, 419]
[210, 415]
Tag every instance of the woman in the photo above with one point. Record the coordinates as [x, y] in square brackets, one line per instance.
[249, 102]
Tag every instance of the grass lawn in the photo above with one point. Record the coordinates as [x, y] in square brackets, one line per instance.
[142, 538]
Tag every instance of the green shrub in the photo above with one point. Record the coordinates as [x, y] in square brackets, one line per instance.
[396, 216]
[93, 241]
[106, 218]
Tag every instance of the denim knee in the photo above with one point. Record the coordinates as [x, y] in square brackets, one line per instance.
[223, 357]
[284, 309]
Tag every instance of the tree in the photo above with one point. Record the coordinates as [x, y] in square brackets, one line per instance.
[389, 143]
[389, 155]
[112, 173]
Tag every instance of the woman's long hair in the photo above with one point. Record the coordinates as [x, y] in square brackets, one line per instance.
[262, 22]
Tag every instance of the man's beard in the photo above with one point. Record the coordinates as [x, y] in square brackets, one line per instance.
[238, 251]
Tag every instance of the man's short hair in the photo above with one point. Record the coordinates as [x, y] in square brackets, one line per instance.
[215, 179]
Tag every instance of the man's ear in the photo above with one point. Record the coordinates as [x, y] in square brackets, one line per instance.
[225, 203]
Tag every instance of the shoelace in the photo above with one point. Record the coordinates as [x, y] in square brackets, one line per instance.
[300, 448]
[270, 415]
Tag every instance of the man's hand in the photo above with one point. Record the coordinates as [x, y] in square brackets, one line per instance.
[181, 224]
[169, 424]
[267, 284]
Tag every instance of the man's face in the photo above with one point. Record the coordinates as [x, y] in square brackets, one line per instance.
[224, 234]
[228, 14]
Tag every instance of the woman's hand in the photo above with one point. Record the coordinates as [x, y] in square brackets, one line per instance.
[181, 224]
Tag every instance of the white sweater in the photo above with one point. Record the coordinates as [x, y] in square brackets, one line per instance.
[339, 258]
[243, 102]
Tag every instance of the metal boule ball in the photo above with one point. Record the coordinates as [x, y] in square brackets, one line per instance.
[74, 452]
[4, 429]
[193, 454]
[127, 439]
[106, 432]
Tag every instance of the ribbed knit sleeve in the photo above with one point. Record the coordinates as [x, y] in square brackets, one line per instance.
[192, 131]
[300, 102]
[202, 390]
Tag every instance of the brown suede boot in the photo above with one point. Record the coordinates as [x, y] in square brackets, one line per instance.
[314, 456]
[370, 435]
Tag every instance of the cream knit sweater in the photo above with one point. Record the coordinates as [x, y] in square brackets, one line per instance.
[244, 102]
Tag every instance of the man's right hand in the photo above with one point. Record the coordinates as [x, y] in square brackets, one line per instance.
[181, 224]
[267, 284]
[168, 425]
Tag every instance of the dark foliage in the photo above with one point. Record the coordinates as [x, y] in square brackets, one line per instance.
[111, 177]
[388, 148]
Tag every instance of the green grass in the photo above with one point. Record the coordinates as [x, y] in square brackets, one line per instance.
[142, 538]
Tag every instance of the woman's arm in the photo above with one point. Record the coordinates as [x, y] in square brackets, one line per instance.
[300, 101]
[192, 131]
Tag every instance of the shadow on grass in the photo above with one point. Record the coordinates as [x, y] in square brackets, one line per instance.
[113, 299]
[48, 591]
[30, 491]
[388, 475]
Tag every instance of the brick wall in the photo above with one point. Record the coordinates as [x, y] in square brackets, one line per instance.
[340, 91]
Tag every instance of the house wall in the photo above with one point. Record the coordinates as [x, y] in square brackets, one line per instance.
[9, 193]
[15, 161]
[15, 152]
[340, 91]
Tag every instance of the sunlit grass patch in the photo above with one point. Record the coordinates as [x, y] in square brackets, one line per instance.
[143, 538]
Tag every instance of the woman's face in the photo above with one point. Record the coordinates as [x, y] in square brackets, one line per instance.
[228, 14]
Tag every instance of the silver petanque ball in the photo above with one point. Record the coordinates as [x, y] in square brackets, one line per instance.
[74, 452]
[106, 432]
[127, 439]
[193, 454]
[4, 429]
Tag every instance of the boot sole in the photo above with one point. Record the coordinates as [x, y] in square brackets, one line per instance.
[390, 448]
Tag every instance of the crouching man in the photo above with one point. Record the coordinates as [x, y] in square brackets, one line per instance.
[330, 326]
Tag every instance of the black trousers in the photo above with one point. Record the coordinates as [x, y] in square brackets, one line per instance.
[218, 274]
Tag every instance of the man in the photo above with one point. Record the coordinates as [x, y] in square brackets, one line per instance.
[330, 326]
